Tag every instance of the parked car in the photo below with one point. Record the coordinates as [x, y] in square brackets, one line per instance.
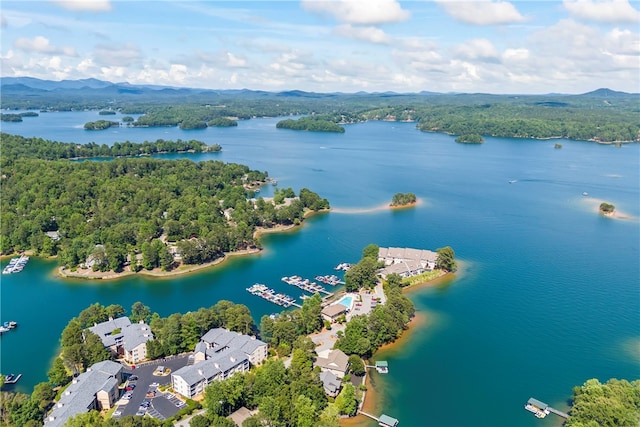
[127, 396]
[130, 387]
[133, 378]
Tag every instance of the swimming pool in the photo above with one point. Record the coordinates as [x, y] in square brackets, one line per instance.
[346, 301]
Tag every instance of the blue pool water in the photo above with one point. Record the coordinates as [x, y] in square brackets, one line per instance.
[346, 301]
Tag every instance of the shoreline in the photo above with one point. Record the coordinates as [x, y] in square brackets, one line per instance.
[183, 269]
[155, 273]
[373, 395]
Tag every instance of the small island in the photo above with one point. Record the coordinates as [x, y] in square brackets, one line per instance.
[107, 113]
[403, 199]
[100, 125]
[222, 122]
[607, 209]
[470, 138]
[311, 124]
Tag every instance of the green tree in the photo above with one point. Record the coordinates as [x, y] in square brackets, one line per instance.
[139, 311]
[446, 258]
[58, 374]
[43, 394]
[362, 275]
[615, 403]
[371, 251]
[356, 365]
[346, 401]
[305, 412]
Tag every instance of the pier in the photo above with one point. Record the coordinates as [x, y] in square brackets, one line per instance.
[306, 285]
[381, 366]
[383, 420]
[541, 409]
[270, 295]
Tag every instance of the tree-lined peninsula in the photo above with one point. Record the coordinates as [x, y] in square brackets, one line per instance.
[139, 211]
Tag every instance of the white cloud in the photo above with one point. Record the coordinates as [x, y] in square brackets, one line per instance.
[3, 22]
[482, 12]
[515, 55]
[359, 11]
[369, 34]
[117, 55]
[235, 61]
[481, 49]
[611, 11]
[42, 45]
[84, 5]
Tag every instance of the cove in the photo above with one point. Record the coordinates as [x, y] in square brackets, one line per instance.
[547, 296]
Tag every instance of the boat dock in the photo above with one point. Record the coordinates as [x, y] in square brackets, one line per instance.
[12, 378]
[332, 280]
[306, 285]
[7, 326]
[16, 265]
[541, 409]
[344, 266]
[270, 295]
[383, 420]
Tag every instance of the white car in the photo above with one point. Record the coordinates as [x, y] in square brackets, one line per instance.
[116, 413]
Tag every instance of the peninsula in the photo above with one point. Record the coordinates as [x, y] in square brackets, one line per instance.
[132, 214]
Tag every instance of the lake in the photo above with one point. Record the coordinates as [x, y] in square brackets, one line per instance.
[547, 295]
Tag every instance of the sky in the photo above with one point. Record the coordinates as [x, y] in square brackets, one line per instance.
[488, 46]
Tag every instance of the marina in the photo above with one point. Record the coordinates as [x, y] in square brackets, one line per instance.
[270, 295]
[332, 280]
[306, 285]
[16, 265]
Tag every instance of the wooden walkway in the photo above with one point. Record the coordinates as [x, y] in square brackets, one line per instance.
[368, 415]
[558, 413]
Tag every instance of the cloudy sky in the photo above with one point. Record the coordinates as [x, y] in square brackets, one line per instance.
[495, 46]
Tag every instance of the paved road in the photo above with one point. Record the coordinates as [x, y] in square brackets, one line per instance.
[160, 407]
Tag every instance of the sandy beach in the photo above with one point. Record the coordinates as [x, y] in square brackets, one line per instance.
[594, 204]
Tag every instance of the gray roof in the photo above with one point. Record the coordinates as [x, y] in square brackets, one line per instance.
[220, 338]
[330, 382]
[81, 393]
[408, 254]
[387, 420]
[192, 374]
[136, 334]
[336, 359]
[537, 403]
[104, 330]
[130, 336]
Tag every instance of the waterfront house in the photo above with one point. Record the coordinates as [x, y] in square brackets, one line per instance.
[406, 262]
[220, 339]
[123, 338]
[334, 361]
[331, 383]
[97, 388]
[191, 380]
[332, 312]
[219, 354]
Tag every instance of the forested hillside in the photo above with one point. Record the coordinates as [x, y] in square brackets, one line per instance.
[111, 211]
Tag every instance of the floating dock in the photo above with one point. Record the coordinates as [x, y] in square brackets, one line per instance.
[344, 266]
[383, 420]
[270, 295]
[12, 378]
[541, 409]
[16, 265]
[306, 285]
[332, 280]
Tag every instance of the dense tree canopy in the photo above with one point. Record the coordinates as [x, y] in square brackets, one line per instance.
[314, 124]
[402, 199]
[107, 213]
[615, 403]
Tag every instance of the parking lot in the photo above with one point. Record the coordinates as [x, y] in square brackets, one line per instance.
[145, 397]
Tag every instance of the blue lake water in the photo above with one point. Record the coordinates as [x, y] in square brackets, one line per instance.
[547, 296]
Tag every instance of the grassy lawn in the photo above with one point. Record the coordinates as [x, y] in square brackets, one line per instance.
[422, 278]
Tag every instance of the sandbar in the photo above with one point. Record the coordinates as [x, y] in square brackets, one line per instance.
[616, 214]
[379, 208]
